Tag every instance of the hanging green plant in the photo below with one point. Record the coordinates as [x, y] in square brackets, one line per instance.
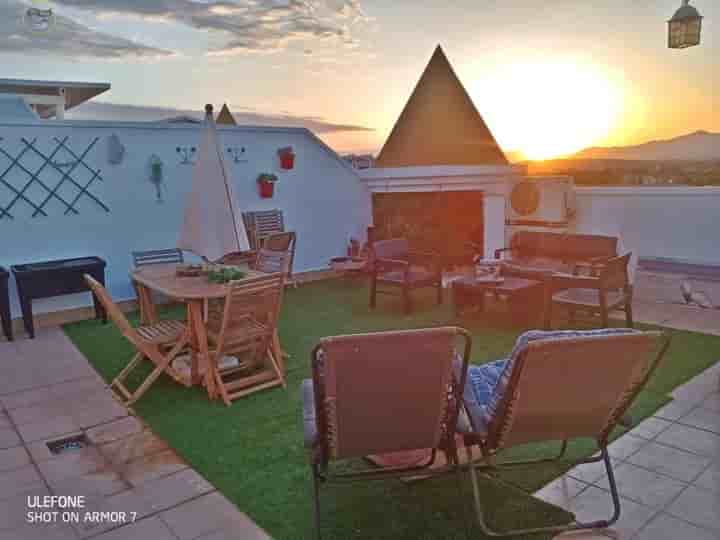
[267, 178]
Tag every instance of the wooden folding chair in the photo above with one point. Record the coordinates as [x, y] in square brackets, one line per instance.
[147, 300]
[244, 326]
[159, 342]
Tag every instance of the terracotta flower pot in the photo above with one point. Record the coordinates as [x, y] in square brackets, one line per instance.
[267, 189]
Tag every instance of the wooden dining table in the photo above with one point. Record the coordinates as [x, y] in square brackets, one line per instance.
[195, 292]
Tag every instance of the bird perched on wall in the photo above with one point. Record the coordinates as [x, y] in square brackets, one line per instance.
[699, 298]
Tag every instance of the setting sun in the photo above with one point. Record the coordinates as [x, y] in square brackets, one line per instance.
[548, 109]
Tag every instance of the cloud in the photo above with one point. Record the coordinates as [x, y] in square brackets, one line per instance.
[98, 110]
[244, 25]
[65, 38]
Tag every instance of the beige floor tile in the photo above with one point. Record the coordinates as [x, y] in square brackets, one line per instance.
[626, 446]
[38, 412]
[205, 515]
[151, 467]
[19, 481]
[710, 479]
[116, 430]
[669, 461]
[133, 447]
[92, 484]
[597, 534]
[646, 487]
[665, 527]
[560, 491]
[74, 463]
[13, 458]
[247, 531]
[691, 439]
[9, 438]
[595, 503]
[675, 410]
[26, 398]
[150, 529]
[702, 418]
[589, 473]
[48, 429]
[650, 428]
[698, 506]
[13, 510]
[51, 531]
[712, 402]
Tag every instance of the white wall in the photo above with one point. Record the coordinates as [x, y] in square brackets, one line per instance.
[674, 222]
[322, 198]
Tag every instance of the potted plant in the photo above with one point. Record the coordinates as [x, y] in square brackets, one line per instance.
[266, 185]
[287, 158]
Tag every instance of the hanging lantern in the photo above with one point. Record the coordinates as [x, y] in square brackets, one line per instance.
[684, 27]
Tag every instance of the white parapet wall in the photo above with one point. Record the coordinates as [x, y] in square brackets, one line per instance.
[674, 222]
[322, 198]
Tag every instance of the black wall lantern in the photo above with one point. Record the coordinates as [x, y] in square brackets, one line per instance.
[684, 27]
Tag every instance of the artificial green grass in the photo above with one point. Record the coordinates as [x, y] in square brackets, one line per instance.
[253, 451]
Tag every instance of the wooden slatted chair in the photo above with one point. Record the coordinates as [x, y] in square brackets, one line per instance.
[275, 255]
[607, 288]
[157, 256]
[261, 224]
[160, 343]
[244, 326]
[146, 299]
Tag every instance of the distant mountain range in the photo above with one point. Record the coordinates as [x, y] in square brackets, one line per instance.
[698, 146]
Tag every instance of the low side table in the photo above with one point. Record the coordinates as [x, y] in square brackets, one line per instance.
[521, 294]
[5, 304]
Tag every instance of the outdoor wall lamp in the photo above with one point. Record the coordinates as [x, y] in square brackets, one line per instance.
[684, 27]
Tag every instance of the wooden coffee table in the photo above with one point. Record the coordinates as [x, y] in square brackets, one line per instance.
[524, 296]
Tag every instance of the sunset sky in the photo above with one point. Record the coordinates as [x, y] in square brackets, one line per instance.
[550, 77]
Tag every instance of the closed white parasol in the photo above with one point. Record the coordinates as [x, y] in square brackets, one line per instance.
[213, 224]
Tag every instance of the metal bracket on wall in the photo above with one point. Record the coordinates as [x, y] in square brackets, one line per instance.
[52, 190]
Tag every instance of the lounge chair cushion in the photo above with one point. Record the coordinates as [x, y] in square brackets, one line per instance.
[487, 383]
[479, 392]
[309, 417]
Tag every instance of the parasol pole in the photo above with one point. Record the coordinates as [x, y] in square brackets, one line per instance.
[231, 205]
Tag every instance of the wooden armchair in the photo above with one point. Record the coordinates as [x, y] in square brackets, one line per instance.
[275, 255]
[395, 265]
[605, 286]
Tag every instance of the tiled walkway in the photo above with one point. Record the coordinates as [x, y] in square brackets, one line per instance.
[48, 391]
[667, 470]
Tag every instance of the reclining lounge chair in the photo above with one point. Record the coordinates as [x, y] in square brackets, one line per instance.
[556, 386]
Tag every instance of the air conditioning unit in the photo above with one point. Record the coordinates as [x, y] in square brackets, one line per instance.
[541, 202]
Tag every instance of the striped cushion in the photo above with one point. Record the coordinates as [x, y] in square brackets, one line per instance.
[489, 381]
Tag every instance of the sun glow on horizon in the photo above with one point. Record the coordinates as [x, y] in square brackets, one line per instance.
[549, 109]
